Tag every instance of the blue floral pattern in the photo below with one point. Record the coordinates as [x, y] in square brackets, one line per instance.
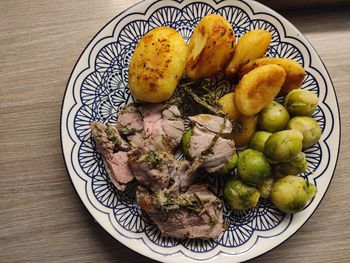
[104, 91]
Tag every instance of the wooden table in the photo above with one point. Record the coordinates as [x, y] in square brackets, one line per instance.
[41, 217]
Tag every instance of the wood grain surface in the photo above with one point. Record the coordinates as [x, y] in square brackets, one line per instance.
[41, 217]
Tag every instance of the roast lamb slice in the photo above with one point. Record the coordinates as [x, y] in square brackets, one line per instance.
[196, 213]
[112, 147]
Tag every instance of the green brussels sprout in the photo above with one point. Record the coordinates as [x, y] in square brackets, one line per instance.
[258, 141]
[274, 117]
[301, 102]
[239, 195]
[294, 167]
[185, 142]
[230, 165]
[253, 167]
[283, 146]
[291, 193]
[308, 127]
[265, 188]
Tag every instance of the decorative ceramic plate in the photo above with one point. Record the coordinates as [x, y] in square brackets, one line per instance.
[98, 88]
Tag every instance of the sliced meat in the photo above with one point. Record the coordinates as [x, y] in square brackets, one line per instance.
[136, 139]
[220, 153]
[157, 121]
[211, 123]
[153, 143]
[157, 170]
[184, 175]
[151, 169]
[129, 120]
[194, 214]
[108, 143]
[118, 170]
[108, 140]
[173, 125]
[152, 115]
[145, 200]
[157, 142]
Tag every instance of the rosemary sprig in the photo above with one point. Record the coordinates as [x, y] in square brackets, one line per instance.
[203, 102]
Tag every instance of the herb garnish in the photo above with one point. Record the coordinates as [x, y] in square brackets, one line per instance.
[112, 135]
[154, 160]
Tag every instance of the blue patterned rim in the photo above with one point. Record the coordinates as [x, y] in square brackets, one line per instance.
[97, 89]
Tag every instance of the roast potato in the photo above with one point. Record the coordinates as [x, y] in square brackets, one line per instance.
[258, 88]
[244, 126]
[250, 46]
[227, 103]
[157, 65]
[210, 48]
[245, 132]
[295, 72]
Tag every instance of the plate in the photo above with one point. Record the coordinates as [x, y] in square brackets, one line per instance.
[97, 89]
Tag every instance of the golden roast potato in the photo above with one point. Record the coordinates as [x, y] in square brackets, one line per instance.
[210, 48]
[157, 65]
[227, 103]
[250, 46]
[245, 125]
[258, 88]
[295, 72]
[248, 127]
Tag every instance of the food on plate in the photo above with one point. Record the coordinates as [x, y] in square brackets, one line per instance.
[274, 117]
[112, 148]
[258, 88]
[227, 103]
[301, 102]
[265, 188]
[245, 127]
[196, 213]
[210, 48]
[295, 73]
[229, 166]
[308, 127]
[140, 147]
[296, 166]
[239, 195]
[129, 121]
[168, 122]
[258, 140]
[253, 167]
[139, 130]
[291, 193]
[185, 142]
[283, 146]
[250, 46]
[157, 170]
[206, 130]
[157, 65]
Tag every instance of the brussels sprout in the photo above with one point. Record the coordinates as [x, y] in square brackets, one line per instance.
[301, 102]
[283, 146]
[258, 141]
[308, 127]
[274, 117]
[294, 167]
[291, 193]
[239, 195]
[185, 142]
[265, 188]
[230, 165]
[252, 167]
